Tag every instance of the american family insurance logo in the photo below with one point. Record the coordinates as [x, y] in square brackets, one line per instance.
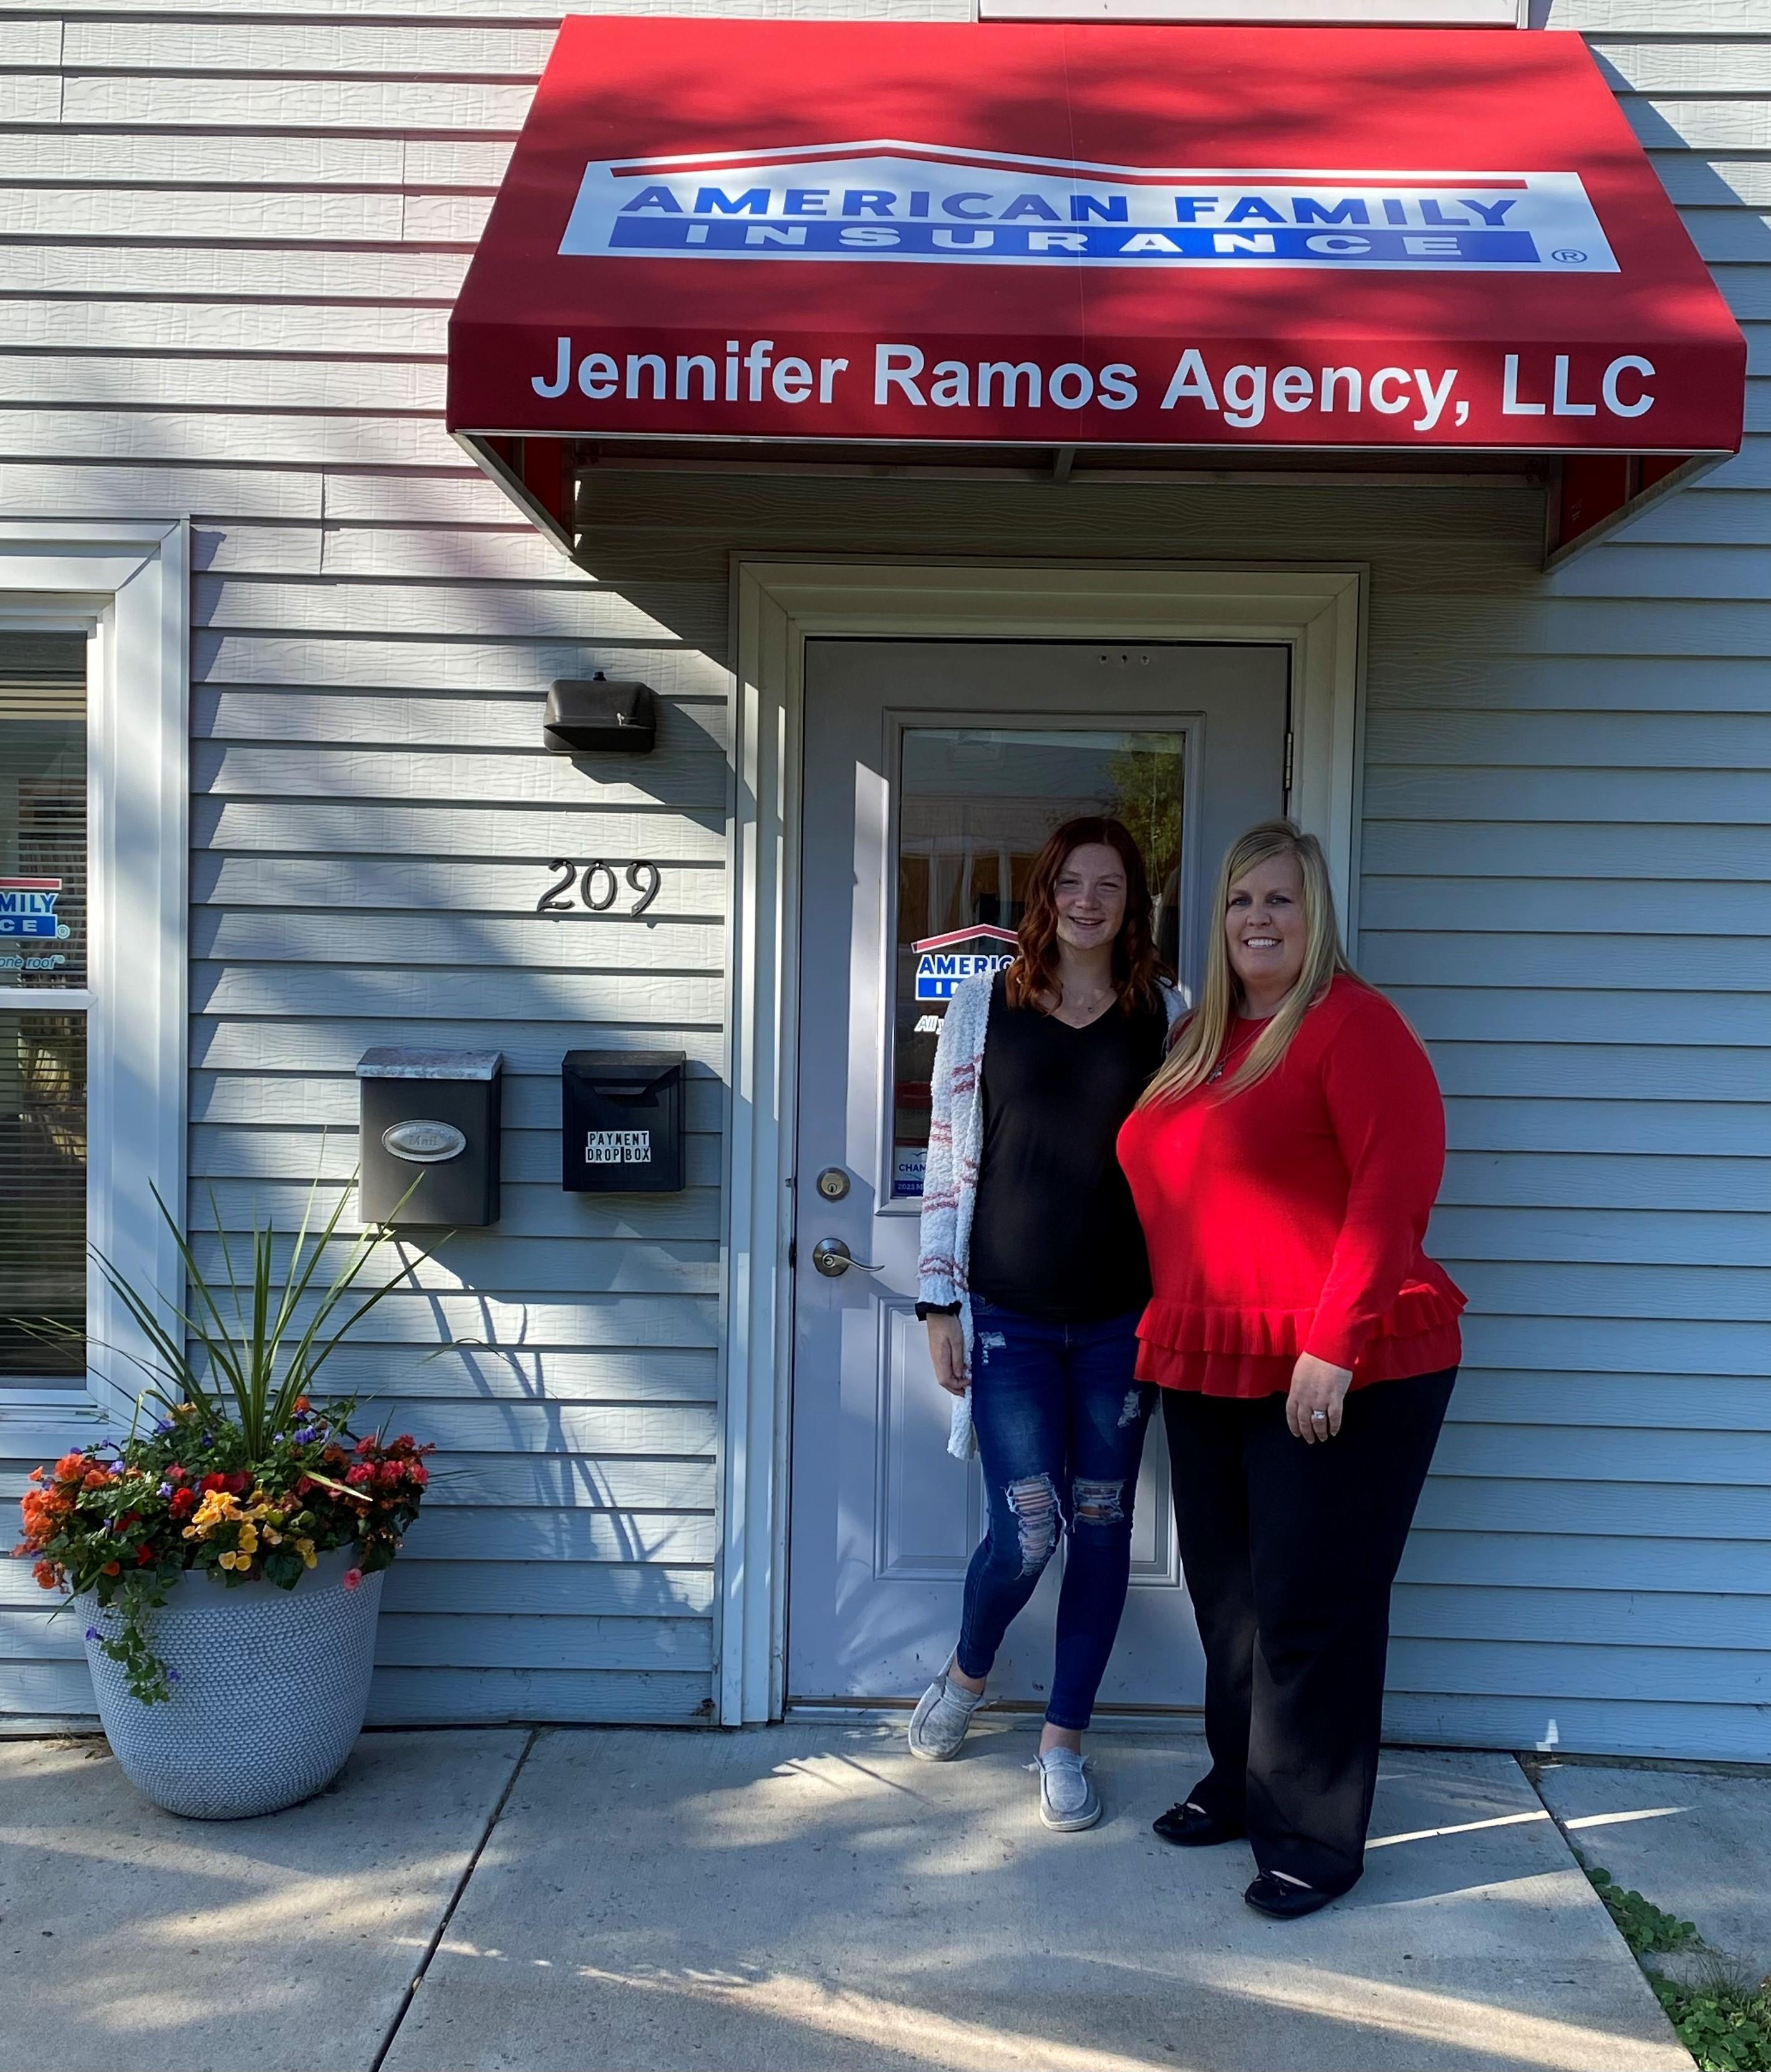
[27, 909]
[943, 966]
[885, 200]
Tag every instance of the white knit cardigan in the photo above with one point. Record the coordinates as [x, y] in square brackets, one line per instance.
[950, 1181]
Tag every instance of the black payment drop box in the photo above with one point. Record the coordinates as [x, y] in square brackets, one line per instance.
[621, 1122]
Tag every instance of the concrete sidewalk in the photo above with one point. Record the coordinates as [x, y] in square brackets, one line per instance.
[1697, 1843]
[800, 1896]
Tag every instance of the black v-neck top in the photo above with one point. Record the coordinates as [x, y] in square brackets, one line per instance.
[1054, 1234]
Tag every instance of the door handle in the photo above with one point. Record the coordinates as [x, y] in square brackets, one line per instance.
[832, 1257]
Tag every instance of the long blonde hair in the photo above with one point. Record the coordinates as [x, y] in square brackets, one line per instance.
[1197, 1048]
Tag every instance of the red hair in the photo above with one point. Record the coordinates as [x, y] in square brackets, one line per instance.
[1136, 967]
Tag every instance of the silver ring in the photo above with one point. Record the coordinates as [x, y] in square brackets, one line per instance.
[1318, 1417]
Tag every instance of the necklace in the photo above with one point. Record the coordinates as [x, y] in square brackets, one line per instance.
[1087, 1008]
[1234, 1055]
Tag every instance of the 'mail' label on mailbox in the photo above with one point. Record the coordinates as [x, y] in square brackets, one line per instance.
[617, 1147]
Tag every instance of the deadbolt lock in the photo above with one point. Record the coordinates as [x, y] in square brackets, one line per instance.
[832, 1183]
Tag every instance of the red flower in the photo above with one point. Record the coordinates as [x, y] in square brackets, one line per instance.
[303, 1485]
[359, 1474]
[143, 1555]
[417, 1474]
[174, 1474]
[364, 1446]
[351, 1577]
[184, 1501]
[212, 1482]
[236, 1485]
[388, 1473]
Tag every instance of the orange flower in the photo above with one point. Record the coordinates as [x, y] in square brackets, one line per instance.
[95, 1478]
[45, 1575]
[70, 1467]
[114, 1568]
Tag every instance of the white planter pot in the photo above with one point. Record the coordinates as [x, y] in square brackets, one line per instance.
[272, 1686]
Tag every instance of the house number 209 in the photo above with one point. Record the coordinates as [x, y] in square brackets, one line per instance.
[599, 887]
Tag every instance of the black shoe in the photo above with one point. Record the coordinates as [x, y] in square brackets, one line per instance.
[1190, 1826]
[1285, 1902]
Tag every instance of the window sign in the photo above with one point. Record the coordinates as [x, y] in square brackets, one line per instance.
[43, 1045]
[975, 807]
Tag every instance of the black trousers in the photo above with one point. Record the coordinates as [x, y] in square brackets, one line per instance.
[1289, 1551]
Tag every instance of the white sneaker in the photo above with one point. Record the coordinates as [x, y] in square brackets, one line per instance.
[1068, 1801]
[939, 1725]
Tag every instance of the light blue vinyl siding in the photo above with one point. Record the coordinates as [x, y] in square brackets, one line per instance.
[1566, 845]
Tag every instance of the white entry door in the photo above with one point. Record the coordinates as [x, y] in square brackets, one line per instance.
[934, 772]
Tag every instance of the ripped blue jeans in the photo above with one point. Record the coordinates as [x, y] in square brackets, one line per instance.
[1060, 1423]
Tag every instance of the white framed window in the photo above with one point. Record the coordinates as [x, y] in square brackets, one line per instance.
[93, 834]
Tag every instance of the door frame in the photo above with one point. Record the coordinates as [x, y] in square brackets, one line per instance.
[1316, 610]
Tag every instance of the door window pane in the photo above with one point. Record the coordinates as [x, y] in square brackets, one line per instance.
[42, 810]
[976, 805]
[42, 1194]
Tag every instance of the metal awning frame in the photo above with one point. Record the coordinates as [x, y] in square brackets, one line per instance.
[1589, 496]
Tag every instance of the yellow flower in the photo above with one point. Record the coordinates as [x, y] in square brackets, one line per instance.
[248, 1539]
[272, 1538]
[304, 1548]
[234, 1561]
[217, 1508]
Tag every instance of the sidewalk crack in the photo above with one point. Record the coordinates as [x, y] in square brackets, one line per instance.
[468, 1869]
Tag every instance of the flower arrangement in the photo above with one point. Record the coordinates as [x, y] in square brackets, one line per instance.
[244, 1473]
[124, 1522]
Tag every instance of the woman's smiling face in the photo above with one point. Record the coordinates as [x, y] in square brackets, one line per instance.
[1265, 929]
[1090, 897]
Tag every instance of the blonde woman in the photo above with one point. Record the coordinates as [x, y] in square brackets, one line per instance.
[1285, 1162]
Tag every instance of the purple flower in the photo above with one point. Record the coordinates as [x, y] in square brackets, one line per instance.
[92, 1632]
[166, 1489]
[172, 1676]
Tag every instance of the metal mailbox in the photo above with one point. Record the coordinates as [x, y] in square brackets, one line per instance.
[621, 1122]
[431, 1148]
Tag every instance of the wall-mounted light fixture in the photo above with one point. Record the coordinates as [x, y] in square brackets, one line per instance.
[586, 715]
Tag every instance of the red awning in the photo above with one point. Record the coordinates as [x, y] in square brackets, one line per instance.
[1434, 242]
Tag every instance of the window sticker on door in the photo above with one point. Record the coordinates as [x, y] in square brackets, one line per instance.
[908, 1162]
[943, 965]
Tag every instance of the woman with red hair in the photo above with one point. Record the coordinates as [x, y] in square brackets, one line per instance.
[1033, 1277]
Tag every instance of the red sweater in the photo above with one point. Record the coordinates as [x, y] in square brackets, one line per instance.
[1288, 1218]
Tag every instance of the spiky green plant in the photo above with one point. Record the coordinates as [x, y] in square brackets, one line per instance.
[232, 1348]
[246, 1474]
